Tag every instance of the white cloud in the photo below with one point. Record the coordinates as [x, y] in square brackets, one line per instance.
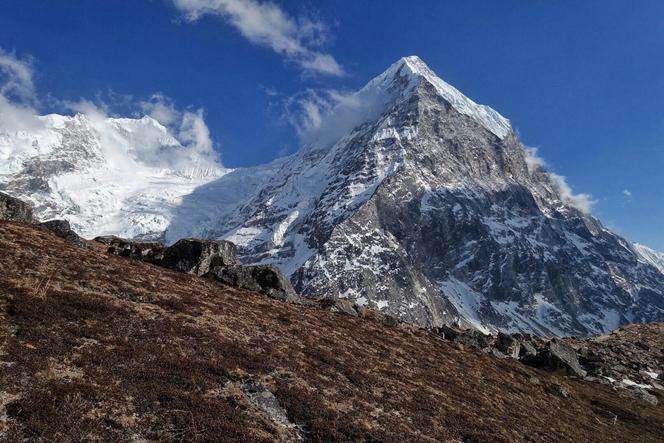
[17, 93]
[266, 24]
[16, 78]
[533, 160]
[173, 138]
[627, 193]
[535, 163]
[322, 117]
[582, 202]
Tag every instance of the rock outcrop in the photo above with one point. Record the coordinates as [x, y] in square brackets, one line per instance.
[557, 356]
[199, 256]
[151, 252]
[266, 279]
[63, 229]
[13, 209]
[213, 259]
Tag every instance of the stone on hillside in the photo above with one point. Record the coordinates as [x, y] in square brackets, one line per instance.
[473, 338]
[199, 256]
[266, 279]
[450, 332]
[62, 229]
[527, 349]
[150, 252]
[507, 344]
[339, 305]
[14, 209]
[557, 356]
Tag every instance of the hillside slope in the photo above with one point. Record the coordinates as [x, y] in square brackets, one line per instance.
[94, 346]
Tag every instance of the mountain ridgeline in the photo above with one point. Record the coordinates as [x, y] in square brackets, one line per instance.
[426, 206]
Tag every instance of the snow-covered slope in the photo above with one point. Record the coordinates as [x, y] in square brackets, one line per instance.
[650, 256]
[426, 206]
[408, 197]
[104, 175]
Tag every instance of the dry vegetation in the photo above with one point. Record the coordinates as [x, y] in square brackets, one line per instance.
[99, 347]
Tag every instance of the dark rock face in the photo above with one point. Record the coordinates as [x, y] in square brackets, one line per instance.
[557, 356]
[266, 279]
[199, 256]
[508, 345]
[62, 229]
[474, 339]
[214, 259]
[433, 218]
[14, 209]
[150, 252]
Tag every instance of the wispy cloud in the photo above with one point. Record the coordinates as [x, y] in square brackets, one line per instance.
[582, 202]
[627, 193]
[16, 77]
[266, 24]
[17, 92]
[190, 147]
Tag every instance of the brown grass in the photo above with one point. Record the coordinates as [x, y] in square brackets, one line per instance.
[115, 349]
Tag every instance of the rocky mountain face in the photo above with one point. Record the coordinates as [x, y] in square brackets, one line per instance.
[410, 199]
[431, 210]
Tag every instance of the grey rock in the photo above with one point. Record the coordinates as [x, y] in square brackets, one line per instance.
[62, 229]
[527, 350]
[199, 256]
[151, 252]
[13, 209]
[474, 339]
[450, 332]
[266, 279]
[507, 344]
[557, 356]
[644, 395]
[339, 305]
[263, 399]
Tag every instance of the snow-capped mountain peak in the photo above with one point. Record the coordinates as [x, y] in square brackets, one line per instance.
[414, 67]
[409, 198]
[105, 175]
[427, 207]
[650, 256]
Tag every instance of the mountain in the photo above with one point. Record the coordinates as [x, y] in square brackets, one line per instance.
[105, 175]
[428, 208]
[409, 198]
[650, 256]
[96, 347]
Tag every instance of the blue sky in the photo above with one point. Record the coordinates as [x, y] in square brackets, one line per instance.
[581, 80]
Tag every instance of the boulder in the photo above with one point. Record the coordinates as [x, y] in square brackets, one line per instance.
[200, 256]
[527, 349]
[266, 279]
[62, 229]
[342, 305]
[14, 209]
[150, 252]
[450, 332]
[557, 356]
[474, 339]
[508, 345]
